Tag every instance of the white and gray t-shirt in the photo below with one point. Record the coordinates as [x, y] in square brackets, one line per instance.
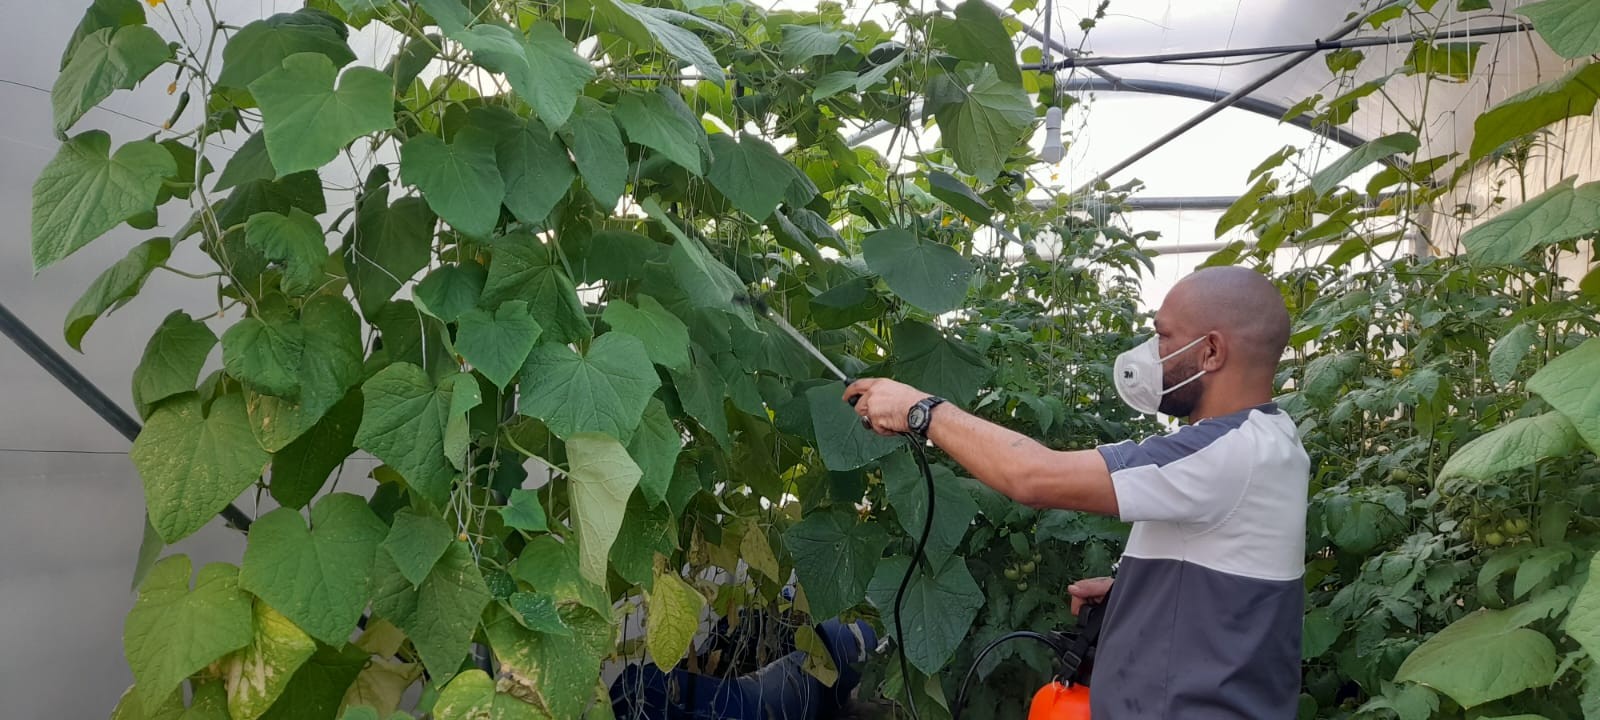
[1204, 621]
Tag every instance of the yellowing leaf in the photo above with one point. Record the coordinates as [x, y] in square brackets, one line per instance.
[674, 617]
[602, 477]
[257, 675]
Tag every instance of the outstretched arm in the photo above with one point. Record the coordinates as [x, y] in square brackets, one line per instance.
[1010, 462]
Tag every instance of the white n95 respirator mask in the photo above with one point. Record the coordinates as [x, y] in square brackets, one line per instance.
[1137, 375]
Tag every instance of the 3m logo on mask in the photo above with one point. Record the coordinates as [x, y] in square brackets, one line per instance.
[1138, 375]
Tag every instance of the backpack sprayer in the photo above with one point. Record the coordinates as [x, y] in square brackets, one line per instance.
[1058, 700]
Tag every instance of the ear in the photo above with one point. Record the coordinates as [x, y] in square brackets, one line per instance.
[1213, 352]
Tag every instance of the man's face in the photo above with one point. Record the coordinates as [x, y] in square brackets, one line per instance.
[1173, 336]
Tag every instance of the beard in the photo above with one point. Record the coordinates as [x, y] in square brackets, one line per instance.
[1182, 401]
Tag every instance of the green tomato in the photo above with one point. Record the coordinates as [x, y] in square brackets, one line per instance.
[1494, 538]
[1022, 586]
[1036, 556]
[1012, 574]
[1028, 567]
[1515, 526]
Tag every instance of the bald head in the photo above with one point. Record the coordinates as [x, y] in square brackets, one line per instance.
[1241, 305]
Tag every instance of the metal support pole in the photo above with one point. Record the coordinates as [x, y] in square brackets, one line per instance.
[1316, 46]
[1226, 102]
[69, 377]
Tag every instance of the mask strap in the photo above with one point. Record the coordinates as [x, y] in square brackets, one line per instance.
[1191, 379]
[1183, 349]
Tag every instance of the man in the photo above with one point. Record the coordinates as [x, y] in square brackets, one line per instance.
[1205, 620]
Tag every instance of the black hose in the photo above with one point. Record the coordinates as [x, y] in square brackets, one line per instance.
[961, 695]
[920, 556]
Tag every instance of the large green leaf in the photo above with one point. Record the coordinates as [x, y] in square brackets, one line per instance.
[472, 696]
[1571, 384]
[835, 555]
[847, 303]
[319, 686]
[1359, 157]
[1556, 215]
[248, 164]
[307, 120]
[1482, 657]
[1583, 619]
[528, 269]
[702, 392]
[956, 194]
[1571, 95]
[451, 290]
[541, 66]
[641, 24]
[296, 241]
[550, 566]
[559, 73]
[532, 161]
[926, 274]
[497, 343]
[172, 632]
[803, 42]
[108, 60]
[1452, 60]
[172, 360]
[441, 614]
[602, 477]
[554, 671]
[705, 281]
[265, 354]
[665, 337]
[1327, 373]
[927, 360]
[647, 531]
[1570, 27]
[194, 463]
[750, 173]
[523, 511]
[102, 14]
[318, 577]
[953, 507]
[598, 151]
[461, 181]
[662, 122]
[405, 422]
[604, 390]
[983, 128]
[1509, 351]
[330, 367]
[675, 608]
[976, 34]
[114, 287]
[301, 467]
[261, 46]
[85, 191]
[387, 245]
[1515, 445]
[841, 440]
[415, 543]
[258, 674]
[655, 447]
[451, 15]
[938, 608]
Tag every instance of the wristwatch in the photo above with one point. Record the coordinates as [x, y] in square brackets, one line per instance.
[921, 414]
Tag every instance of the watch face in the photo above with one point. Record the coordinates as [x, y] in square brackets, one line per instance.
[919, 416]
